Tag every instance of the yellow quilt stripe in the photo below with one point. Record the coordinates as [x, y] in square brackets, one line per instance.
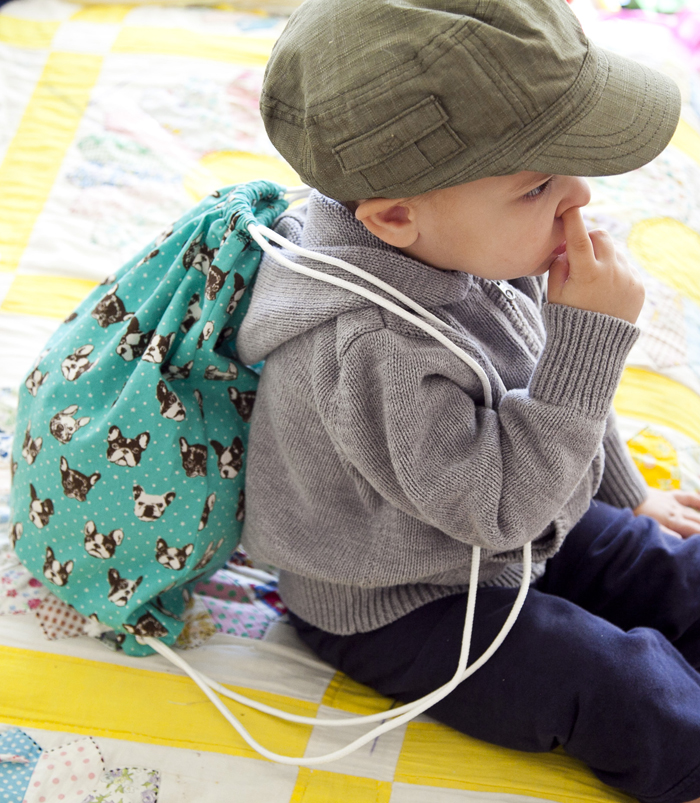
[687, 139]
[48, 296]
[27, 33]
[241, 50]
[348, 695]
[34, 156]
[670, 251]
[657, 399]
[436, 755]
[106, 14]
[59, 692]
[316, 786]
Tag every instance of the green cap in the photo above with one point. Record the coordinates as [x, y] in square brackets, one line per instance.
[393, 98]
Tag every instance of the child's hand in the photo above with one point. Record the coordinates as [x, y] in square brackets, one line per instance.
[592, 275]
[676, 511]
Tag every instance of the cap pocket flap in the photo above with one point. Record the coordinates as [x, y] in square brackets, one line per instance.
[388, 139]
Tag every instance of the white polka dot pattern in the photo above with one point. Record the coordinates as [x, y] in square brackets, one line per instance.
[130, 472]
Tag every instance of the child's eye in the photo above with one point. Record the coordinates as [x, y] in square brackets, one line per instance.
[539, 190]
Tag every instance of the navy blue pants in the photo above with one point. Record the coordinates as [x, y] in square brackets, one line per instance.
[603, 659]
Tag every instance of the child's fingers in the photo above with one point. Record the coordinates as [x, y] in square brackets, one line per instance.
[684, 527]
[579, 246]
[603, 245]
[688, 499]
[669, 531]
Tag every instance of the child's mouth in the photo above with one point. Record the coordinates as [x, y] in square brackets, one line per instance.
[560, 249]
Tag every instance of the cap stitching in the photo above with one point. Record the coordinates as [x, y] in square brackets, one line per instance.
[504, 148]
[643, 144]
[495, 70]
[374, 90]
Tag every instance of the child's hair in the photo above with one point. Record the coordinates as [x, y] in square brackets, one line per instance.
[388, 98]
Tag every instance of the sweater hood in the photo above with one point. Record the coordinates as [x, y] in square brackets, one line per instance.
[286, 304]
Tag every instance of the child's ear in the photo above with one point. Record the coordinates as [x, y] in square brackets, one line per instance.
[393, 220]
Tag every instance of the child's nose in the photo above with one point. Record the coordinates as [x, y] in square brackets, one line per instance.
[575, 192]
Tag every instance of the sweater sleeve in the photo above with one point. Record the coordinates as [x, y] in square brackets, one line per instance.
[623, 484]
[409, 416]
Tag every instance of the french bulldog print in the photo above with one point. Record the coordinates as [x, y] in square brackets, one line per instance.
[158, 348]
[243, 401]
[148, 257]
[173, 372]
[170, 405]
[124, 451]
[215, 281]
[13, 469]
[238, 290]
[54, 571]
[200, 401]
[163, 236]
[16, 531]
[172, 557]
[63, 426]
[70, 318]
[77, 363]
[109, 279]
[157, 603]
[31, 446]
[212, 372]
[133, 342]
[34, 381]
[240, 510]
[146, 626]
[149, 507]
[76, 485]
[194, 458]
[235, 217]
[199, 257]
[193, 314]
[209, 552]
[208, 507]
[121, 590]
[229, 458]
[39, 510]
[225, 334]
[110, 309]
[206, 333]
[100, 545]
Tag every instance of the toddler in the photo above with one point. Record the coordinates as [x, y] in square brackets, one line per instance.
[446, 140]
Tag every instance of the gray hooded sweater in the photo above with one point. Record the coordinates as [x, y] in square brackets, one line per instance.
[373, 465]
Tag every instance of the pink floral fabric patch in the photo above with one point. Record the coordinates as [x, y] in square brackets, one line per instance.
[126, 785]
[19, 591]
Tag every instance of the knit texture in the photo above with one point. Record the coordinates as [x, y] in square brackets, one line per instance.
[373, 464]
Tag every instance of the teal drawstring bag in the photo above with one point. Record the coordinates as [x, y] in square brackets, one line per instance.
[132, 426]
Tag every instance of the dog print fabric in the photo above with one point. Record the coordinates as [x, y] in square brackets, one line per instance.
[134, 420]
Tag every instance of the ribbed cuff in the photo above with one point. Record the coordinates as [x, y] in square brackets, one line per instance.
[583, 359]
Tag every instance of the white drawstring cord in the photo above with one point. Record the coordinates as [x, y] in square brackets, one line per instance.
[415, 708]
[380, 301]
[385, 715]
[297, 192]
[395, 717]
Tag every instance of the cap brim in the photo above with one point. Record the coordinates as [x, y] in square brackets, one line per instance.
[630, 123]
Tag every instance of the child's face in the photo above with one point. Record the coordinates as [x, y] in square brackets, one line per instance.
[497, 228]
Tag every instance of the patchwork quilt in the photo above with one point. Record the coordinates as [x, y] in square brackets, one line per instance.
[114, 120]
